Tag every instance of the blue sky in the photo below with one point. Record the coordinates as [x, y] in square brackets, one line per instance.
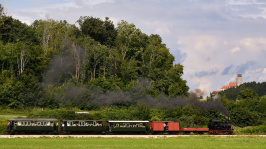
[213, 39]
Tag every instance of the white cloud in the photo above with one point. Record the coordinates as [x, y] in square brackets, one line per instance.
[264, 71]
[161, 28]
[93, 2]
[253, 44]
[235, 49]
[248, 8]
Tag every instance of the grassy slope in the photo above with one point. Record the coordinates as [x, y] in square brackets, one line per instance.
[180, 142]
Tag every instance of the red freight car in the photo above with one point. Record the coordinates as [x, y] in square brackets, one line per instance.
[164, 126]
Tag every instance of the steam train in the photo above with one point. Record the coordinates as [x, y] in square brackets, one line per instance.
[53, 126]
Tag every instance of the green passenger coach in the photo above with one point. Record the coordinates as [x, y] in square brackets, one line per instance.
[82, 126]
[39, 125]
[128, 126]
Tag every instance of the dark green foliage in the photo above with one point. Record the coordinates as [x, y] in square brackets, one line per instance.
[249, 109]
[102, 31]
[52, 63]
[243, 117]
[60, 114]
[247, 94]
[257, 87]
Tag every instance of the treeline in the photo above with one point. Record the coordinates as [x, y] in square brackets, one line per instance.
[56, 64]
[246, 108]
[259, 89]
[247, 103]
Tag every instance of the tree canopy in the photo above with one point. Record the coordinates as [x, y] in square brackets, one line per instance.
[42, 62]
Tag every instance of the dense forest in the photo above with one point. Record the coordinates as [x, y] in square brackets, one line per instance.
[117, 71]
[44, 63]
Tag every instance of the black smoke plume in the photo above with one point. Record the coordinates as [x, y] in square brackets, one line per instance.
[63, 67]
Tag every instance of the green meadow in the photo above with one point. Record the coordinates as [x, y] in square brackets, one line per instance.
[203, 142]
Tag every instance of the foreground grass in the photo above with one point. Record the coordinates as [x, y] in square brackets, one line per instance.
[179, 142]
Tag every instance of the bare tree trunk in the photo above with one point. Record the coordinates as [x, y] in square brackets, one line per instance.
[94, 72]
[46, 34]
[22, 60]
[77, 58]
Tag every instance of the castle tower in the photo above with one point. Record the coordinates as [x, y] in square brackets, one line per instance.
[238, 79]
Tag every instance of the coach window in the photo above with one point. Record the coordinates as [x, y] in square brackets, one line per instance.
[117, 125]
[34, 123]
[69, 123]
[94, 123]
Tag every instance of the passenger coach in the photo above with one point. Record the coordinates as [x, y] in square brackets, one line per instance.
[82, 126]
[128, 126]
[35, 126]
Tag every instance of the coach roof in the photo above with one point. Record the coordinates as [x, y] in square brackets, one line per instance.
[128, 121]
[33, 119]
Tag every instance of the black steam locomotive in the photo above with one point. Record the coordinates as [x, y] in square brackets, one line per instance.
[218, 127]
[53, 126]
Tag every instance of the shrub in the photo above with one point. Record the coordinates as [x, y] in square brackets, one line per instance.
[60, 114]
[261, 129]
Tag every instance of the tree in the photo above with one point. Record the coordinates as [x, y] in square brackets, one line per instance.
[178, 86]
[247, 94]
[101, 31]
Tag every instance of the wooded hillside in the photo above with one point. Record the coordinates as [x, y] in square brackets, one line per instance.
[53, 63]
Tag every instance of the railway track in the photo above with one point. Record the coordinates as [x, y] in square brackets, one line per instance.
[121, 136]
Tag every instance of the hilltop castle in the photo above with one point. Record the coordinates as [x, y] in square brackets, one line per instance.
[231, 84]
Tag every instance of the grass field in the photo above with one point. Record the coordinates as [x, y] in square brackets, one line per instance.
[140, 143]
